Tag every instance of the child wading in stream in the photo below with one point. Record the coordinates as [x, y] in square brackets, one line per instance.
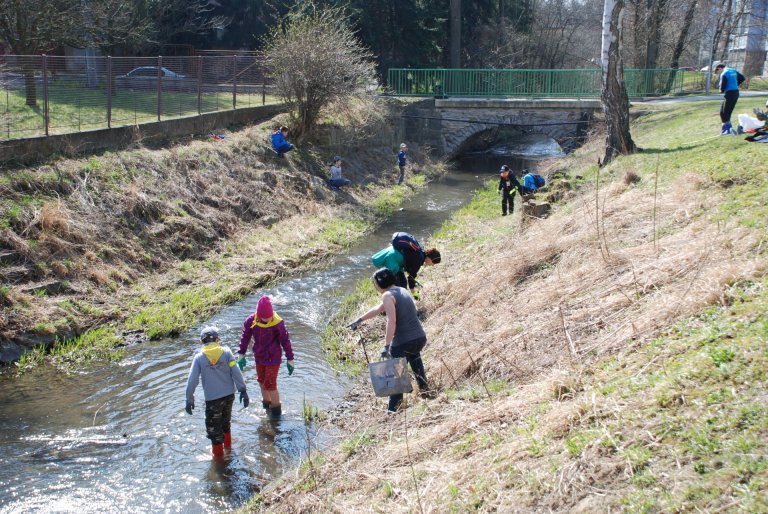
[215, 364]
[270, 338]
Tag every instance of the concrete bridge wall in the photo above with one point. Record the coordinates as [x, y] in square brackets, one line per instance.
[437, 123]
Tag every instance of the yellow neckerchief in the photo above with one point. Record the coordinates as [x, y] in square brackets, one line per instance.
[271, 323]
[213, 351]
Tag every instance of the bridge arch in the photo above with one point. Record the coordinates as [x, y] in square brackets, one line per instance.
[447, 125]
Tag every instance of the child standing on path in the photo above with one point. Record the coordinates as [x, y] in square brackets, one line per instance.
[215, 364]
[401, 161]
[270, 338]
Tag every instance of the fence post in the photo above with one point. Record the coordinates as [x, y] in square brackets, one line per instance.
[199, 84]
[46, 112]
[234, 82]
[159, 86]
[263, 93]
[109, 91]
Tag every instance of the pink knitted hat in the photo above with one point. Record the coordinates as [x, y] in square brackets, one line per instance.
[264, 308]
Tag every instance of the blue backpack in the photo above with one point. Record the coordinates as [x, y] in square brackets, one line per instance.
[539, 181]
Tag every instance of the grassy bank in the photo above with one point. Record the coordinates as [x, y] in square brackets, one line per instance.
[144, 243]
[608, 358]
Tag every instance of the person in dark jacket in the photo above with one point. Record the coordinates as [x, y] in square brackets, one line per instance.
[729, 82]
[215, 365]
[404, 336]
[279, 142]
[508, 186]
[402, 161]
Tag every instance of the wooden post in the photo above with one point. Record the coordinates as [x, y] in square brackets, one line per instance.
[109, 91]
[46, 112]
[159, 87]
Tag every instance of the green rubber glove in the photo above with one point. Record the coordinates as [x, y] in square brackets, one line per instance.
[241, 363]
[290, 366]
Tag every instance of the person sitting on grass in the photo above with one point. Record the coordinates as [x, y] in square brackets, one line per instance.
[337, 180]
[279, 142]
[215, 364]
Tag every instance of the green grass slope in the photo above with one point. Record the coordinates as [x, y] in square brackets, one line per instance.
[611, 357]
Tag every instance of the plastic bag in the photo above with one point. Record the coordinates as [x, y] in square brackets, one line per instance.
[390, 377]
[747, 122]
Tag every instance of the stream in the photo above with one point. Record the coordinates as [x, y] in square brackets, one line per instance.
[116, 438]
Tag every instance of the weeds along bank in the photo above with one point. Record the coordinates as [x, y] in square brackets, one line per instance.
[611, 357]
[144, 242]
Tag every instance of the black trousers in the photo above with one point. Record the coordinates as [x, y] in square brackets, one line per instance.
[729, 103]
[507, 199]
[412, 353]
[218, 418]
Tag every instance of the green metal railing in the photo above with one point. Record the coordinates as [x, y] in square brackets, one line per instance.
[530, 83]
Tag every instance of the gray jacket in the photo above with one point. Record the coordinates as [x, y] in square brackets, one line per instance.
[216, 365]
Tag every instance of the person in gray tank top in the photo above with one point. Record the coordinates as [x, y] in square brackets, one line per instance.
[404, 336]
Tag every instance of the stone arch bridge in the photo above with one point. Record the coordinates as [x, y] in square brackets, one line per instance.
[449, 125]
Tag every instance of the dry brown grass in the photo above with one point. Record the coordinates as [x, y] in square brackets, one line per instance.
[594, 273]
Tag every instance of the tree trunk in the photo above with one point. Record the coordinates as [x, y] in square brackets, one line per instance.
[455, 17]
[655, 16]
[614, 96]
[30, 85]
[680, 45]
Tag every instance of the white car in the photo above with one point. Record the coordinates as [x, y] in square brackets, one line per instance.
[145, 77]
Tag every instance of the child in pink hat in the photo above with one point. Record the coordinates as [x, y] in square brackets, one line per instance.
[270, 339]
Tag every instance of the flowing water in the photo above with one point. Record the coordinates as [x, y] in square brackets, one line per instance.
[115, 437]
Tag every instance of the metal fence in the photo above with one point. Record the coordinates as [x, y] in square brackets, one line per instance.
[534, 83]
[42, 95]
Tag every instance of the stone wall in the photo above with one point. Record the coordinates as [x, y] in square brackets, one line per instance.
[34, 149]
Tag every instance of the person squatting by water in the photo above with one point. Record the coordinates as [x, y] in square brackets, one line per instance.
[215, 365]
[337, 180]
[404, 335]
[280, 142]
[729, 83]
[402, 160]
[404, 254]
[270, 339]
[508, 186]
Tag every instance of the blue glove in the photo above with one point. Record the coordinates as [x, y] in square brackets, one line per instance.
[244, 398]
[290, 366]
[189, 407]
[241, 362]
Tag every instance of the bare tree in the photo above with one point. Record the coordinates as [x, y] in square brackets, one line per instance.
[31, 27]
[315, 60]
[614, 95]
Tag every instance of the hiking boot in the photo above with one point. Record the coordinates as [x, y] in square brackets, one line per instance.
[276, 411]
[726, 129]
[218, 451]
[265, 405]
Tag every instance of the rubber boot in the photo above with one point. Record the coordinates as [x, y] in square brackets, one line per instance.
[266, 405]
[228, 440]
[218, 451]
[276, 411]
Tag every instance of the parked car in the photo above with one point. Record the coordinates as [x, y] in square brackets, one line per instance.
[145, 77]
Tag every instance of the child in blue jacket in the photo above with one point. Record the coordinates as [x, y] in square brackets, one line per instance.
[279, 142]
